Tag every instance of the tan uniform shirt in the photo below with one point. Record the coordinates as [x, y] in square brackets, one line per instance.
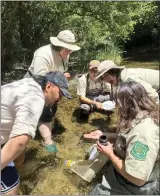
[148, 78]
[82, 85]
[22, 103]
[45, 60]
[142, 143]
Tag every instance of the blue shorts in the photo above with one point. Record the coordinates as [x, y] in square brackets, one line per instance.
[9, 178]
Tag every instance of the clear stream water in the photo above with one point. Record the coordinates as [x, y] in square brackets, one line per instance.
[44, 173]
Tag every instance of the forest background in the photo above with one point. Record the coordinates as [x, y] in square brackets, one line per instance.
[125, 32]
[104, 30]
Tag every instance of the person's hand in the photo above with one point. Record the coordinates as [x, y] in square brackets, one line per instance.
[93, 135]
[68, 76]
[108, 150]
[99, 105]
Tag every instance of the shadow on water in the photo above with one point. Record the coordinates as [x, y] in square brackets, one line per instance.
[35, 162]
[104, 124]
[58, 127]
[79, 117]
[45, 173]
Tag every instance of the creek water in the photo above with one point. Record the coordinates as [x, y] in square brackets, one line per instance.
[45, 173]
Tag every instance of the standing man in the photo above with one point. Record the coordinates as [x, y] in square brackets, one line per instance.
[22, 103]
[148, 78]
[92, 94]
[52, 57]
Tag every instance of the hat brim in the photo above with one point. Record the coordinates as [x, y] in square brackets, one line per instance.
[93, 66]
[56, 42]
[65, 93]
[118, 68]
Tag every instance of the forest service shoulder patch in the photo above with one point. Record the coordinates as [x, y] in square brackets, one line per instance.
[139, 151]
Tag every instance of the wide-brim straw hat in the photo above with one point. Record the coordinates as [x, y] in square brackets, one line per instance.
[65, 39]
[105, 66]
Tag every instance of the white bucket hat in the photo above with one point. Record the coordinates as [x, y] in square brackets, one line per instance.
[65, 39]
[106, 66]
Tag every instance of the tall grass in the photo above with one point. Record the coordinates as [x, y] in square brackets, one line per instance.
[110, 52]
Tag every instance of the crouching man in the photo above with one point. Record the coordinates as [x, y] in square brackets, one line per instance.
[92, 94]
[22, 103]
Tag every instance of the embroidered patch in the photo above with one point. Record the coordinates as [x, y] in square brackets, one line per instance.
[139, 151]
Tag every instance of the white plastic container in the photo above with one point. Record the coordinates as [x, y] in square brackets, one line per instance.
[108, 105]
[88, 169]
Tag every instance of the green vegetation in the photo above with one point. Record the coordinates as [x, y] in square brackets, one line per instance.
[103, 29]
[45, 173]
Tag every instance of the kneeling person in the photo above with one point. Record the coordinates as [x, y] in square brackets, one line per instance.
[92, 94]
[22, 103]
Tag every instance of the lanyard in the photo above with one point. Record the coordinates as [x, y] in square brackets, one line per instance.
[62, 62]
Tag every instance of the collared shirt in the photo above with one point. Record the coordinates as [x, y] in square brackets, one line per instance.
[46, 59]
[22, 103]
[82, 85]
[142, 148]
[148, 78]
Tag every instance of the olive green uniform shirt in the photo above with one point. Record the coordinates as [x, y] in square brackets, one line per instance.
[142, 143]
[141, 159]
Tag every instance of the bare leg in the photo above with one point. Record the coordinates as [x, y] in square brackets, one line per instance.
[14, 191]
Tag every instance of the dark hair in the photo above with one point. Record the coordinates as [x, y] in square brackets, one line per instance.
[57, 48]
[41, 80]
[132, 98]
[114, 72]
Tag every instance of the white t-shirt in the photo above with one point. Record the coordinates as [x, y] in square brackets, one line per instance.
[82, 85]
[46, 59]
[22, 103]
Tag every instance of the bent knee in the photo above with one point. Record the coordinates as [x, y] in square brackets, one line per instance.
[85, 108]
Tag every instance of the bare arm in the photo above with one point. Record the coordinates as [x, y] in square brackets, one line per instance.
[13, 148]
[119, 164]
[86, 100]
[68, 76]
[97, 133]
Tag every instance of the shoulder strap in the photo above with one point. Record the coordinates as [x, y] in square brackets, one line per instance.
[64, 67]
[87, 82]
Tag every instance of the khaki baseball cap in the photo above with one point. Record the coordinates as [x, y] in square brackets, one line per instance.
[106, 66]
[65, 39]
[93, 64]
